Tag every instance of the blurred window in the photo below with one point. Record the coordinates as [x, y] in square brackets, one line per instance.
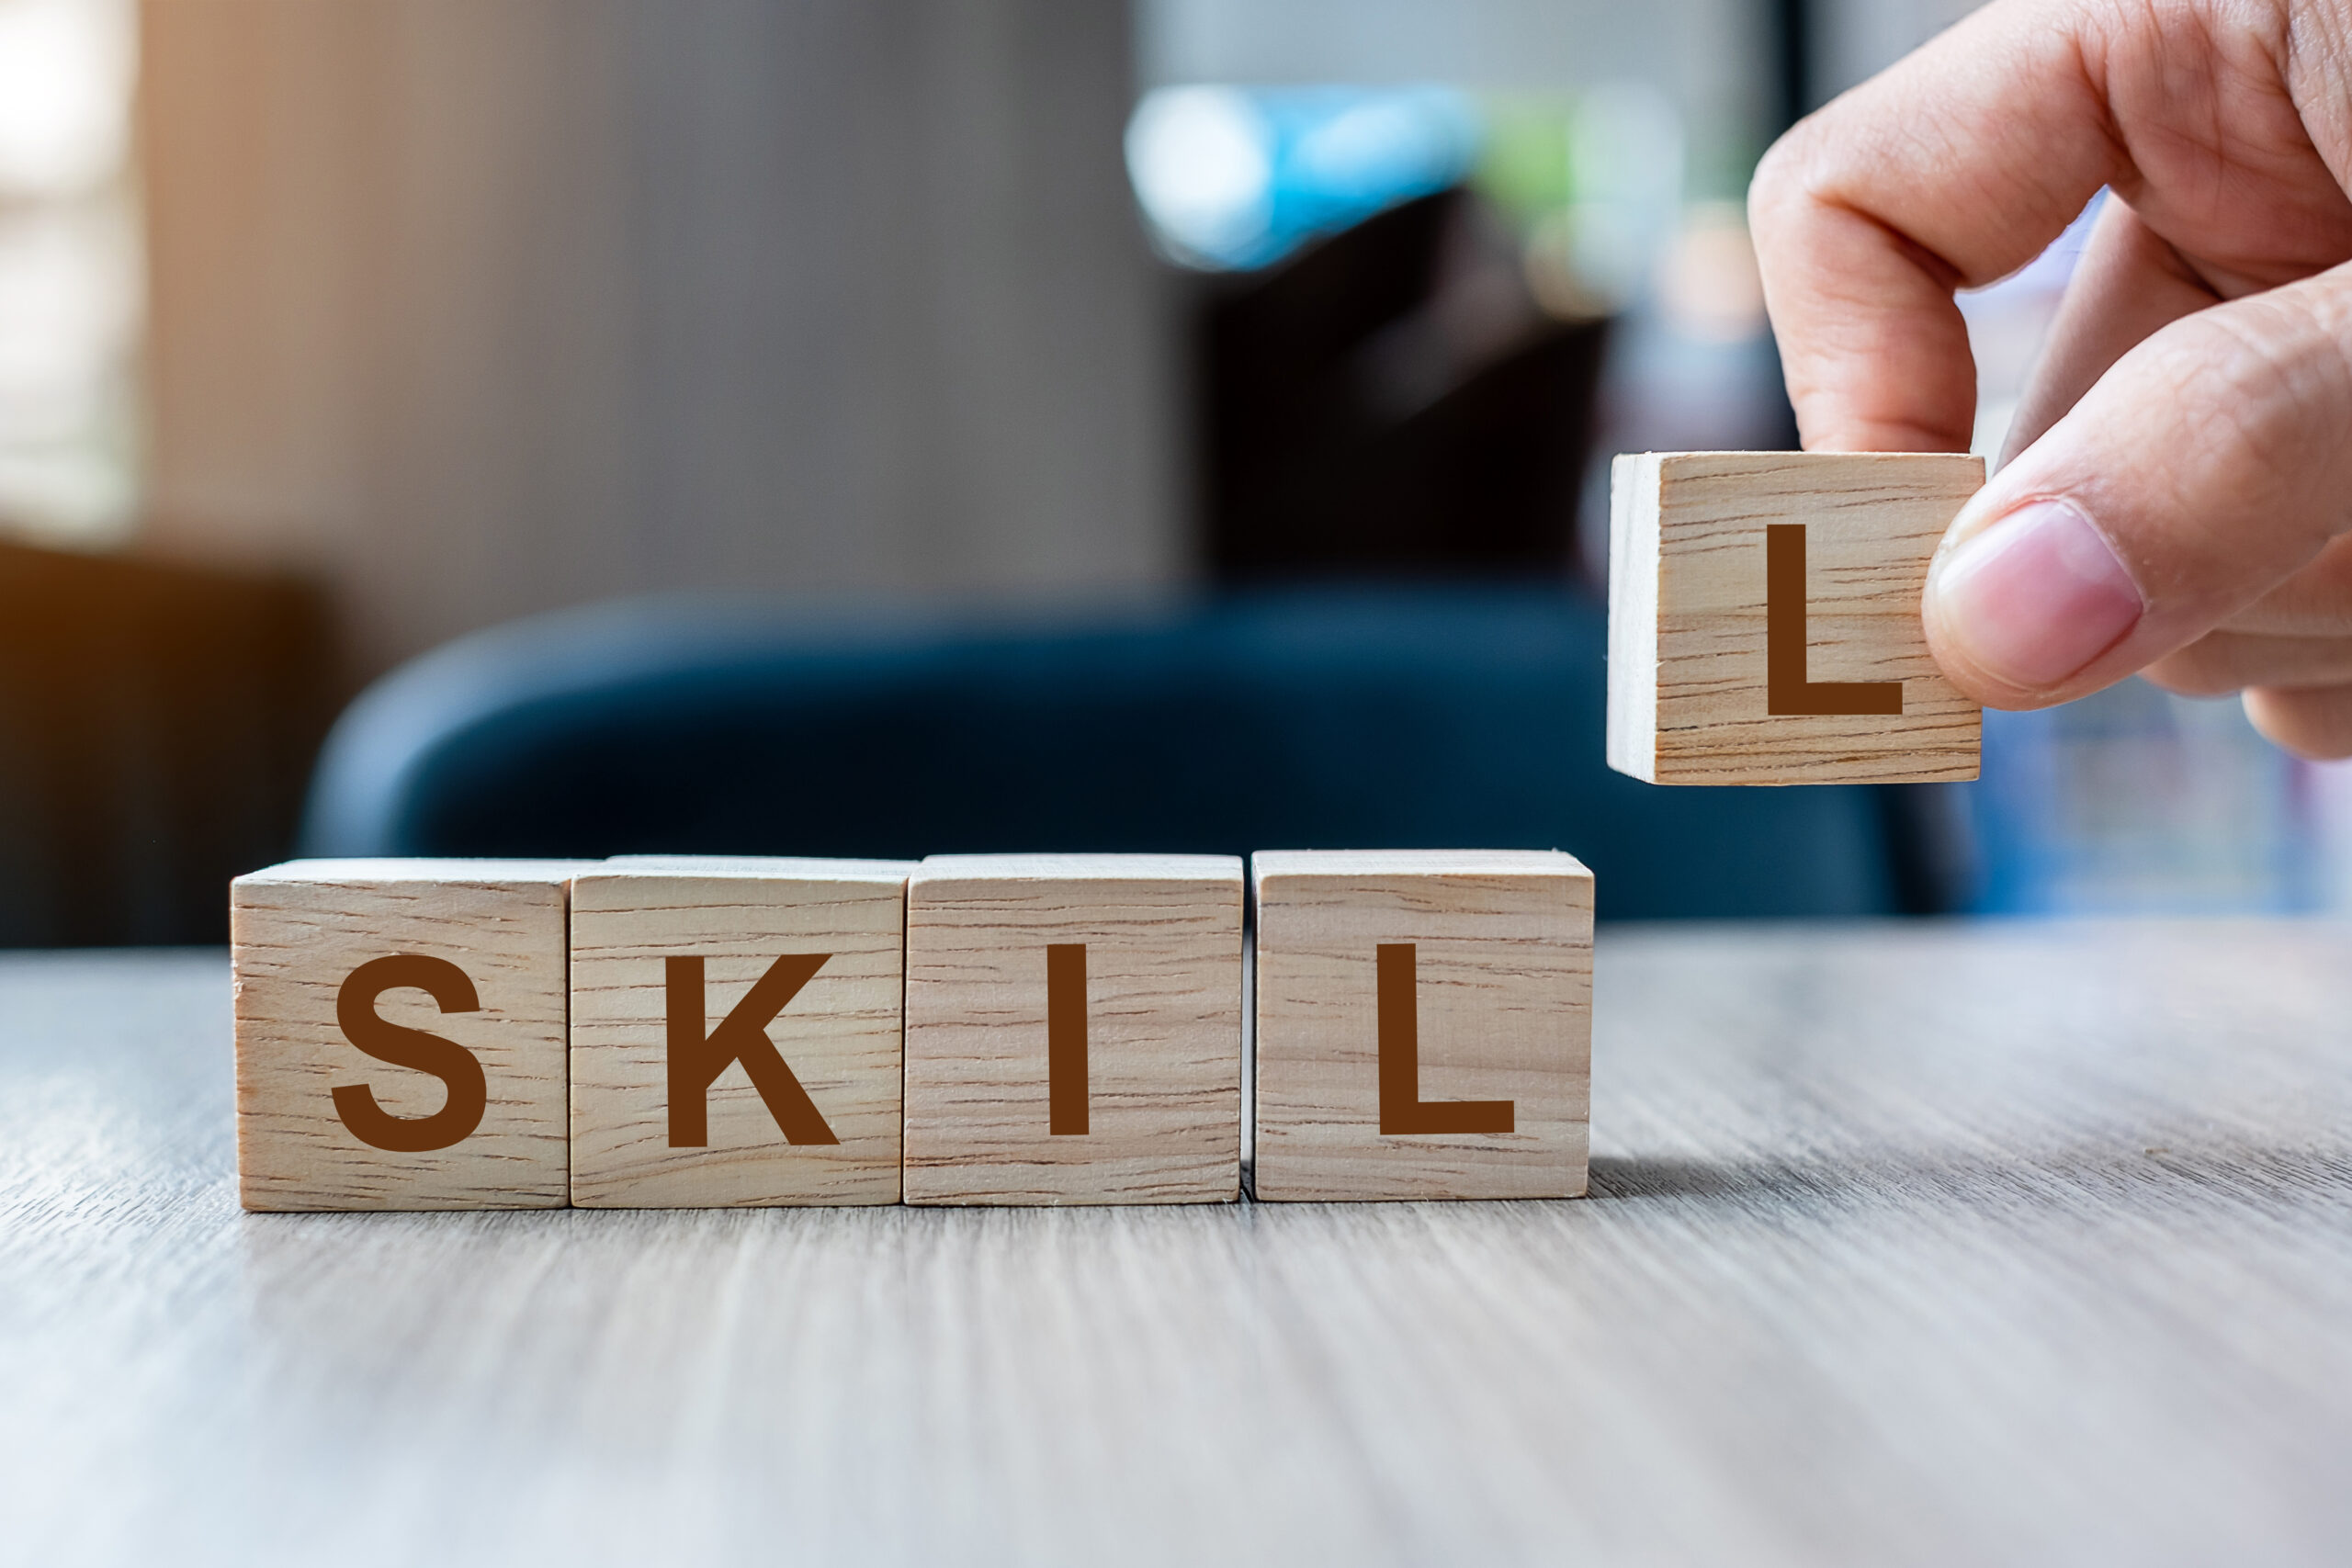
[1234, 177]
[1593, 182]
[71, 270]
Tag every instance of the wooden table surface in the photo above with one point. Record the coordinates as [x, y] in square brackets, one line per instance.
[1921, 1244]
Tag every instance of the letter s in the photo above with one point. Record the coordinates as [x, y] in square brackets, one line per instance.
[457, 1068]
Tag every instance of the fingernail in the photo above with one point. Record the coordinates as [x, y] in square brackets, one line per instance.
[2035, 596]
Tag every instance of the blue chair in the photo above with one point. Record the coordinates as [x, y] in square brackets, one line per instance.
[1391, 718]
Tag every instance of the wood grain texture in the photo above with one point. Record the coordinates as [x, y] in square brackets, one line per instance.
[1502, 965]
[838, 1036]
[1922, 1244]
[1687, 615]
[1162, 1028]
[300, 931]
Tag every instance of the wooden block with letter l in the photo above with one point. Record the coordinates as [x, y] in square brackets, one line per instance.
[1074, 1028]
[735, 1032]
[1764, 618]
[1424, 1024]
[401, 1034]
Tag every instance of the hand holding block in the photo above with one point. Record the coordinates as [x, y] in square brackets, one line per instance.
[1764, 618]
[401, 1034]
[1074, 1030]
[735, 1032]
[1424, 1023]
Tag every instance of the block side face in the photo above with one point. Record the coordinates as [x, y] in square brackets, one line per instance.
[1162, 1026]
[295, 942]
[1871, 523]
[839, 1035]
[1503, 1011]
[1632, 726]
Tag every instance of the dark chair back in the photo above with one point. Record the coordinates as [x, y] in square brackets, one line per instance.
[1464, 717]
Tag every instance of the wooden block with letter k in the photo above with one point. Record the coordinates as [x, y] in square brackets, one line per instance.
[1074, 1028]
[735, 1032]
[1424, 1024]
[1764, 618]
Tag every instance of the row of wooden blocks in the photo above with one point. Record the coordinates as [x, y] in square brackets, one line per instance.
[1042, 1030]
[678, 1032]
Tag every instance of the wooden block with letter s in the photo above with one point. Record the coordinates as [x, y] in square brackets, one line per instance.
[401, 1034]
[1424, 1023]
[735, 1032]
[1764, 618]
[1074, 1028]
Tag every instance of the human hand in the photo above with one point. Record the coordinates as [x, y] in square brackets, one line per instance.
[2179, 497]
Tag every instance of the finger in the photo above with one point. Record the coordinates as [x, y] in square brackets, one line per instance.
[2314, 724]
[2220, 662]
[2127, 285]
[1968, 157]
[2206, 467]
[1956, 166]
[2315, 601]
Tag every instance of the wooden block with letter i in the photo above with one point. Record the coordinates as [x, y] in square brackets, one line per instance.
[735, 1032]
[401, 1034]
[1074, 1028]
[1764, 618]
[1424, 1023]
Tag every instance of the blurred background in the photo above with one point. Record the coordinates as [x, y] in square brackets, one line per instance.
[911, 426]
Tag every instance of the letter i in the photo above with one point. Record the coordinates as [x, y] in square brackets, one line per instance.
[1065, 1101]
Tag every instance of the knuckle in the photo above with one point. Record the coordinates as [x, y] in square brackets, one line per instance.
[1778, 184]
[1791, 177]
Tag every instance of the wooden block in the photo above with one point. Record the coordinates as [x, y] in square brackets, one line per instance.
[1424, 1024]
[1764, 618]
[401, 1034]
[1074, 1028]
[735, 1032]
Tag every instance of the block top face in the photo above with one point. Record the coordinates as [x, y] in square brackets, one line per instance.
[389, 869]
[1827, 473]
[1268, 865]
[805, 866]
[647, 883]
[939, 870]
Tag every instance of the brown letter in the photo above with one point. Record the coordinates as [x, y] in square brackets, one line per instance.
[1786, 690]
[1401, 1107]
[457, 1068]
[696, 1059]
[1066, 1102]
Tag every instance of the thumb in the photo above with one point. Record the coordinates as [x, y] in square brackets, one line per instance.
[2207, 465]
